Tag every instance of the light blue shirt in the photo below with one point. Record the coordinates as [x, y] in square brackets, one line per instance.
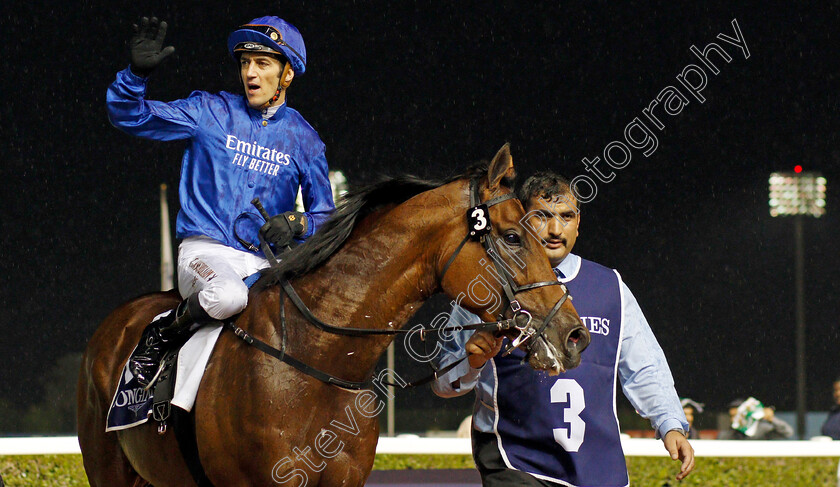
[642, 368]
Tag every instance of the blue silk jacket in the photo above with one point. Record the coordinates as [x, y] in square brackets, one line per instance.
[233, 155]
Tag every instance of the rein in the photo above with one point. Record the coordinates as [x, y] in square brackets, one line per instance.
[280, 354]
[479, 229]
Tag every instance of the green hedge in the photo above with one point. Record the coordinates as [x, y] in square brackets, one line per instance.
[736, 472]
[43, 471]
[67, 471]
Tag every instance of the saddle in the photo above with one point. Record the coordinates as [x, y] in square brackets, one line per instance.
[133, 405]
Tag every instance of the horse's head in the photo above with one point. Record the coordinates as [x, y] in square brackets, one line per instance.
[498, 270]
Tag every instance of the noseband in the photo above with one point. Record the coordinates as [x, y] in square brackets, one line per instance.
[479, 228]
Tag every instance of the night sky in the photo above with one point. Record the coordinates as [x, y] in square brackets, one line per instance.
[428, 88]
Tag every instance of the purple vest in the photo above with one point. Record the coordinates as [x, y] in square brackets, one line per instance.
[564, 428]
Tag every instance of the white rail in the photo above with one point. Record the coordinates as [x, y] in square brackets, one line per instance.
[461, 446]
[46, 445]
[637, 447]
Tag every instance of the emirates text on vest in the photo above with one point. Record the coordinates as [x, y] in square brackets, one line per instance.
[256, 157]
[596, 324]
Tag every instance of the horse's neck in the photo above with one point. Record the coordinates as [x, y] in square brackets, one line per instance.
[386, 267]
[383, 273]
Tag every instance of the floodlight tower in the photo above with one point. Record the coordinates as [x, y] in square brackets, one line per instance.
[798, 194]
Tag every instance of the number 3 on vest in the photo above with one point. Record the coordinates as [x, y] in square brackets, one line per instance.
[570, 392]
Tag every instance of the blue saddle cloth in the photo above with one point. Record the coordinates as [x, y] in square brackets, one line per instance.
[131, 405]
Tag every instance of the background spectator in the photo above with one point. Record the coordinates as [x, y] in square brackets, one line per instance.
[751, 420]
[690, 408]
[831, 427]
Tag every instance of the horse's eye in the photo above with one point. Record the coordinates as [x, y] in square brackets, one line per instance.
[512, 238]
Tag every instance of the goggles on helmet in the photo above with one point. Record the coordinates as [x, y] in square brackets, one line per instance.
[272, 34]
[254, 47]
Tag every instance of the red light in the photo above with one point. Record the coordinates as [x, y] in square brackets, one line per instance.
[797, 169]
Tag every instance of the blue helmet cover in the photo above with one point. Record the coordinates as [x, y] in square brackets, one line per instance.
[263, 30]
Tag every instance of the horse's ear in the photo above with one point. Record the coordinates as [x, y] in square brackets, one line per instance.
[501, 168]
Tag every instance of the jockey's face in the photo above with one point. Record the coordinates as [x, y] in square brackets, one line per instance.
[260, 75]
[560, 228]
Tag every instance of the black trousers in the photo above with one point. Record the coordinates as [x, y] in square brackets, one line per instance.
[494, 472]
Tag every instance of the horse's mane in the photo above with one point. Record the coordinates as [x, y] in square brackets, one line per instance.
[355, 206]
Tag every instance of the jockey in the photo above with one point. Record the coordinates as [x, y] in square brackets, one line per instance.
[239, 147]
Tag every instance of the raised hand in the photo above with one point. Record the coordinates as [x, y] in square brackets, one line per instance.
[146, 46]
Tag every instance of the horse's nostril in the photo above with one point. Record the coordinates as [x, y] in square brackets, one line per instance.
[577, 340]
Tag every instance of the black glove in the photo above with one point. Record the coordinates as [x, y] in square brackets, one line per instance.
[146, 44]
[280, 229]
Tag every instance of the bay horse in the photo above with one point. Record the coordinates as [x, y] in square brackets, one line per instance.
[387, 249]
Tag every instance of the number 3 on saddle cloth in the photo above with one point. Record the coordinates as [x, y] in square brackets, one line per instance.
[132, 405]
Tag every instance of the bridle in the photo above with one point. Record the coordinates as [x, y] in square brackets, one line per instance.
[479, 228]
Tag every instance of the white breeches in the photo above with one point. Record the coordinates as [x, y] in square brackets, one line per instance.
[215, 271]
